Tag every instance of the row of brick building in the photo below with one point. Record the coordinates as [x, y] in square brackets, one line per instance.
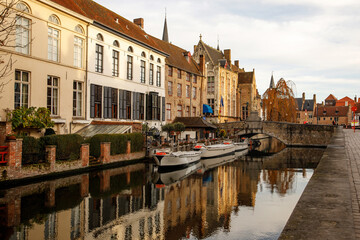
[90, 66]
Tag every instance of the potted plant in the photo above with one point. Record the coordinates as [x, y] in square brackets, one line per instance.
[11, 137]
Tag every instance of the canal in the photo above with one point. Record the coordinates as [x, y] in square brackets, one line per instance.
[250, 196]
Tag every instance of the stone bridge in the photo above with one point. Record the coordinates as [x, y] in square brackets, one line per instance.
[291, 134]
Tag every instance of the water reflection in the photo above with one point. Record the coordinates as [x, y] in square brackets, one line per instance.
[227, 198]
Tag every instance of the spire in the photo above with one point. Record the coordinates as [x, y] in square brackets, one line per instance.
[272, 84]
[218, 48]
[165, 32]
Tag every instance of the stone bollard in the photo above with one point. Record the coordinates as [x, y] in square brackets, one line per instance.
[51, 156]
[128, 147]
[105, 152]
[11, 155]
[84, 154]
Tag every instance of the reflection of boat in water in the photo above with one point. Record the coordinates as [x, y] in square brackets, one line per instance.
[241, 153]
[216, 150]
[176, 160]
[215, 162]
[166, 178]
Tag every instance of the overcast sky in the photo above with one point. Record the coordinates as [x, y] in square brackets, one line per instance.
[314, 43]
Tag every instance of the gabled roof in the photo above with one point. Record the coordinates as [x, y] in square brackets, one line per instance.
[342, 101]
[298, 104]
[308, 105]
[214, 54]
[194, 122]
[246, 77]
[331, 97]
[110, 20]
[177, 57]
[332, 111]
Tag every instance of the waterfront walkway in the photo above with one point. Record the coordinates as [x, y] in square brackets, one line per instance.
[329, 208]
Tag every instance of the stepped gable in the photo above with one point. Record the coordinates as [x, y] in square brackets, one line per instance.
[177, 57]
[108, 18]
[246, 77]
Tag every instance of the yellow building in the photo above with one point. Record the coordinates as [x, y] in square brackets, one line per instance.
[48, 63]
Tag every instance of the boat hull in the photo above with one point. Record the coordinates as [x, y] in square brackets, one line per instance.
[177, 160]
[218, 150]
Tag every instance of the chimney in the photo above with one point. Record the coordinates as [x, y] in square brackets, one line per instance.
[227, 53]
[303, 96]
[202, 64]
[355, 98]
[139, 22]
[236, 63]
[314, 98]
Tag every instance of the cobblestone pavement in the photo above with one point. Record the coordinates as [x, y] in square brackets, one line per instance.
[352, 147]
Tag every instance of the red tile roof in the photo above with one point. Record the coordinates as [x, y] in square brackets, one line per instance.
[331, 97]
[332, 111]
[106, 17]
[177, 57]
[342, 101]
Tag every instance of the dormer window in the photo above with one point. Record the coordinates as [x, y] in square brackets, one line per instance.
[324, 112]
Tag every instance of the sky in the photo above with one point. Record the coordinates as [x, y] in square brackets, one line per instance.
[314, 44]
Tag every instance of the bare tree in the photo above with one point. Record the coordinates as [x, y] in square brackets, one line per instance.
[9, 15]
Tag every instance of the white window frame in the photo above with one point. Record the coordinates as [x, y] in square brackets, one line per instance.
[53, 44]
[77, 98]
[22, 90]
[53, 87]
[78, 51]
[22, 41]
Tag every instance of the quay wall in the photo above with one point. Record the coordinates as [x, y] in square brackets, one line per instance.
[324, 210]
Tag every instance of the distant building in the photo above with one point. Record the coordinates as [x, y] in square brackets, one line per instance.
[250, 98]
[327, 115]
[305, 109]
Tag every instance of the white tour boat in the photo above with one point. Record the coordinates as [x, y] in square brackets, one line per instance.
[176, 160]
[242, 145]
[216, 150]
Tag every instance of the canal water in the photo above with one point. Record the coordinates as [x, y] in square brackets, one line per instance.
[250, 196]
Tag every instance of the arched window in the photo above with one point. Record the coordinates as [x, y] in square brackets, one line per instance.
[159, 61]
[79, 29]
[152, 57]
[143, 54]
[99, 37]
[130, 49]
[116, 43]
[22, 7]
[54, 19]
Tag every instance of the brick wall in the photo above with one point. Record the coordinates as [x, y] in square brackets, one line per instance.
[5, 129]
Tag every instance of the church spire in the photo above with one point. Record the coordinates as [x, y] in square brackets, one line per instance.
[165, 36]
[272, 83]
[218, 47]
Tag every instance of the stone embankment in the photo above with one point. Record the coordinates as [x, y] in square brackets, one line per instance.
[325, 209]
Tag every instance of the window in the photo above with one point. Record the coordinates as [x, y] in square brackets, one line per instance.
[54, 19]
[107, 102]
[211, 103]
[194, 111]
[298, 115]
[158, 76]
[168, 111]
[116, 43]
[151, 57]
[130, 49]
[79, 29]
[211, 85]
[95, 101]
[143, 54]
[159, 60]
[179, 111]
[22, 41]
[170, 88]
[22, 80]
[53, 44]
[179, 90]
[151, 74]
[99, 37]
[78, 51]
[153, 106]
[194, 92]
[99, 52]
[245, 112]
[115, 67]
[187, 91]
[170, 71]
[22, 7]
[179, 73]
[187, 111]
[114, 104]
[77, 98]
[194, 78]
[188, 77]
[53, 94]
[142, 71]
[138, 103]
[128, 104]
[129, 67]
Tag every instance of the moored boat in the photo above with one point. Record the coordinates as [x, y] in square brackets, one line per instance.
[242, 145]
[216, 150]
[176, 160]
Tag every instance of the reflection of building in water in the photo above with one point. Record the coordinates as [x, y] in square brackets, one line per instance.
[279, 180]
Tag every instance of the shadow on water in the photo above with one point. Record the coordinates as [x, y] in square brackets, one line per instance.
[213, 199]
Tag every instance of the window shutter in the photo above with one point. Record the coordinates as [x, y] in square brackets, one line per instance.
[106, 102]
[148, 107]
[92, 101]
[163, 108]
[138, 105]
[134, 104]
[121, 102]
[158, 117]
